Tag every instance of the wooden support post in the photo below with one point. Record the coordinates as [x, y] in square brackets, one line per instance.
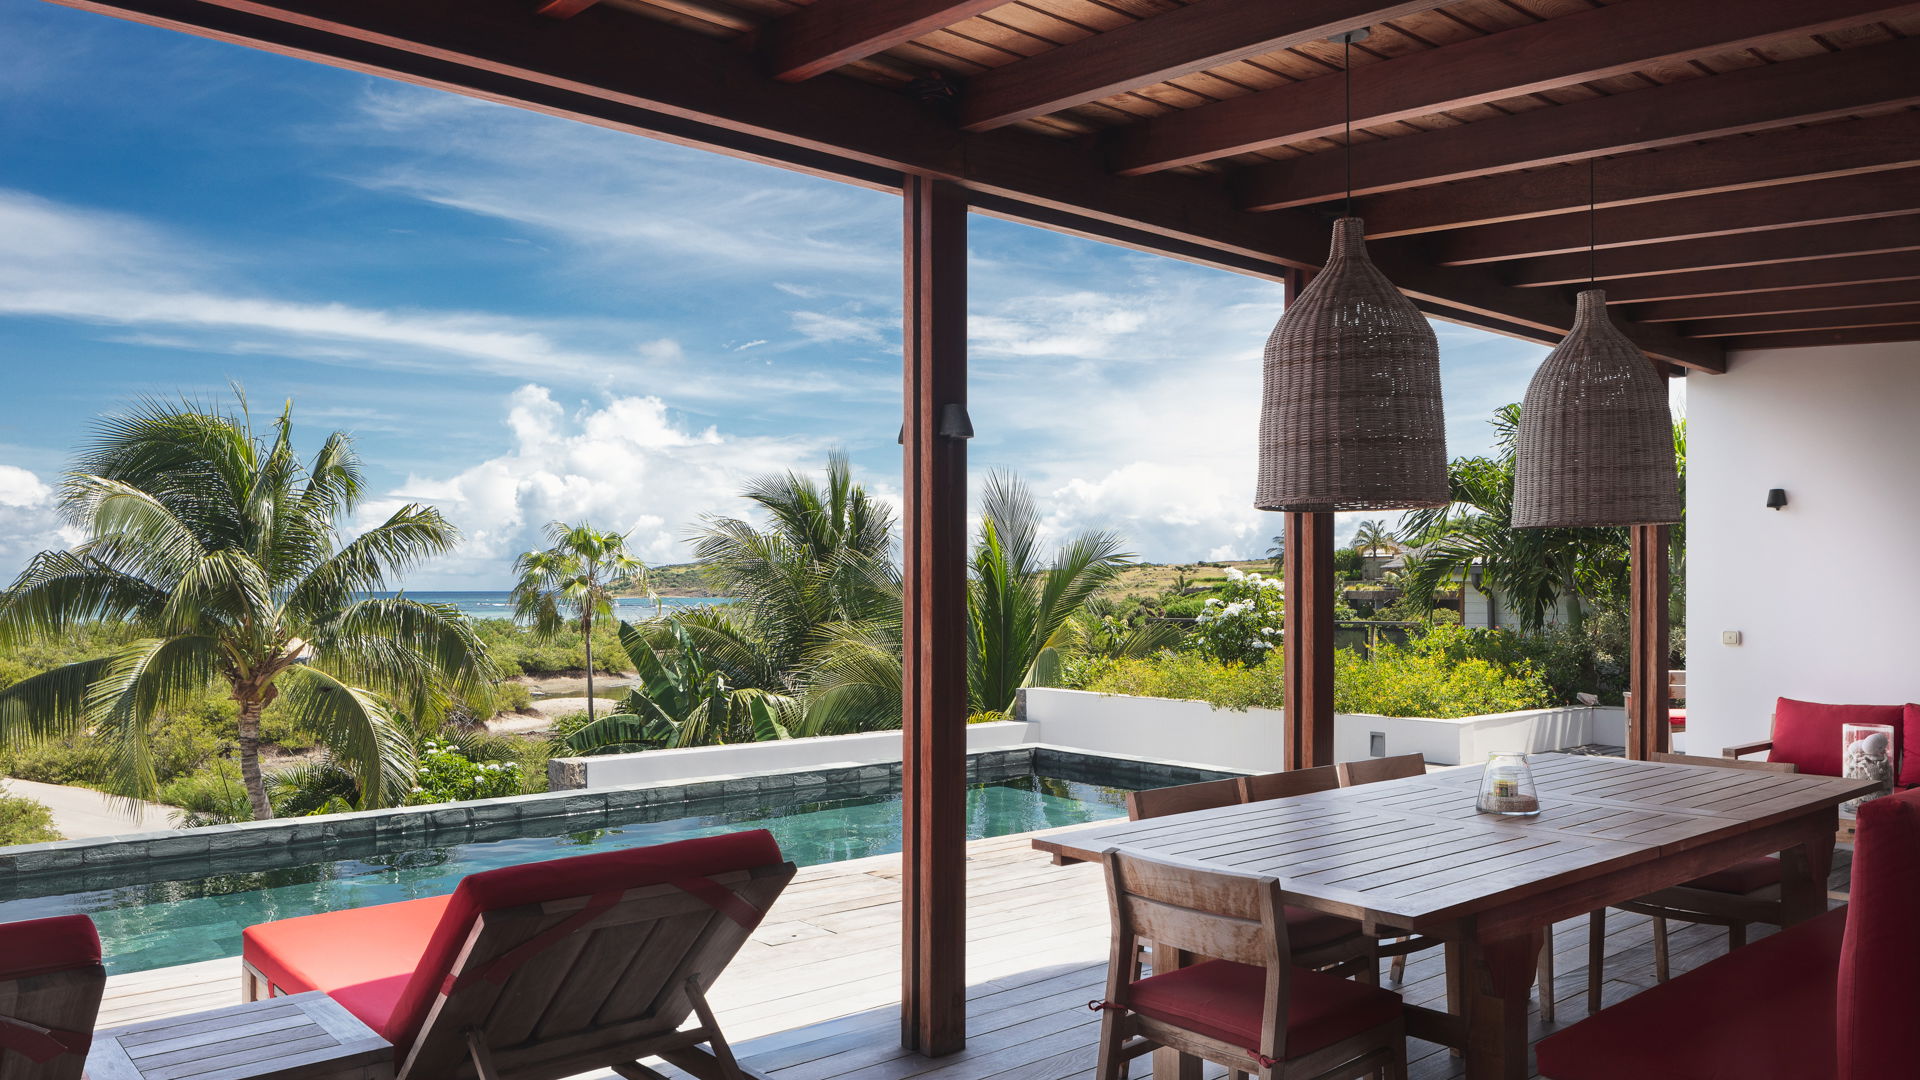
[1309, 640]
[934, 631]
[1307, 566]
[1647, 727]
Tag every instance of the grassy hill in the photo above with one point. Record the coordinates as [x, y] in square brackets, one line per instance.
[1143, 580]
[679, 579]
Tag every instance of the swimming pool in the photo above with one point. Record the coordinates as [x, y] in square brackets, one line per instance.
[159, 924]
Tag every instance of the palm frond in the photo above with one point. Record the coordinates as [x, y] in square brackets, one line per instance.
[358, 727]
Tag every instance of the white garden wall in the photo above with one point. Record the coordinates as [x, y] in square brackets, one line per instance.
[1826, 592]
[705, 762]
[1194, 732]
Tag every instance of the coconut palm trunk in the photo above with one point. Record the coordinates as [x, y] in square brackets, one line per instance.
[250, 775]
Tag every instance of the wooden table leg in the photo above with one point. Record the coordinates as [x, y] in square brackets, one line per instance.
[1172, 1064]
[1804, 868]
[1497, 981]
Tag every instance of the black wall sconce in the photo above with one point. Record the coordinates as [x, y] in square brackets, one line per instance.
[1776, 498]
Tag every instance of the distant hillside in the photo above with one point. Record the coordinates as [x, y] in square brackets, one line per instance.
[1143, 580]
[680, 579]
[1151, 579]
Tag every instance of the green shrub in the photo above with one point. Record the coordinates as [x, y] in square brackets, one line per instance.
[512, 697]
[25, 821]
[212, 796]
[1415, 681]
[1242, 624]
[1187, 676]
[447, 775]
[516, 650]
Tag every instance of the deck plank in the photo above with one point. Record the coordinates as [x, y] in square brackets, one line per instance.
[813, 995]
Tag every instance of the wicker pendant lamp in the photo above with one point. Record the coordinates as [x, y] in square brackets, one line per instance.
[1596, 437]
[1351, 415]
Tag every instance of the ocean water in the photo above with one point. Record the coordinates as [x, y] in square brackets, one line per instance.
[483, 604]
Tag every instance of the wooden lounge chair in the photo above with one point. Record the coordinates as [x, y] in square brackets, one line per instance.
[1830, 999]
[543, 970]
[50, 983]
[1249, 1009]
[1735, 897]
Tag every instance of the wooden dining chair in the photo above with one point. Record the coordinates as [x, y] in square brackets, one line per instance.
[1374, 770]
[1320, 940]
[1285, 785]
[1249, 1008]
[1182, 798]
[1735, 897]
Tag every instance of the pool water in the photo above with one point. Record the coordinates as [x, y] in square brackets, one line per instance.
[181, 922]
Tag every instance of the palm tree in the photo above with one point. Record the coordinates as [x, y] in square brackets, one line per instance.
[571, 582]
[1532, 569]
[1374, 537]
[1020, 609]
[821, 561]
[224, 549]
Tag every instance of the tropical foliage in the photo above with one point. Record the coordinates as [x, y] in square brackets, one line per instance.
[1245, 622]
[1533, 570]
[1374, 538]
[684, 698]
[25, 821]
[225, 550]
[571, 582]
[448, 775]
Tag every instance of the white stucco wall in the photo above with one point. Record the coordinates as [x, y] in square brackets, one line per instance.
[1825, 593]
[741, 759]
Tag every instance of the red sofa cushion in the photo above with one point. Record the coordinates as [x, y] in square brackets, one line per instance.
[1807, 733]
[1878, 996]
[1711, 1024]
[1910, 736]
[1227, 1001]
[41, 946]
[402, 953]
[1741, 877]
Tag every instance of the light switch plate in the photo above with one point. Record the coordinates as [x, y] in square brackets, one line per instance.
[1729, 637]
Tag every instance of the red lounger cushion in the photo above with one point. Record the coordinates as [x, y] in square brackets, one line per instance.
[1741, 877]
[41, 946]
[1878, 995]
[1807, 733]
[1712, 1024]
[390, 983]
[1227, 1001]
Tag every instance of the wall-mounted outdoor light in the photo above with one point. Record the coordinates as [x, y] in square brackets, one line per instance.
[954, 424]
[1776, 498]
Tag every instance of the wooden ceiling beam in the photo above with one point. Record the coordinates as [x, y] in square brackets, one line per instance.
[1565, 51]
[1201, 35]
[1790, 155]
[563, 9]
[1815, 273]
[1844, 319]
[1816, 202]
[1865, 335]
[1776, 246]
[1778, 302]
[671, 83]
[827, 34]
[1823, 87]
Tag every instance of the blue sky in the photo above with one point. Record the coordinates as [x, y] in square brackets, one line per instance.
[523, 318]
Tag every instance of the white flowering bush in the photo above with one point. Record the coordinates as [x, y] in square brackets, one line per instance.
[1243, 624]
[446, 775]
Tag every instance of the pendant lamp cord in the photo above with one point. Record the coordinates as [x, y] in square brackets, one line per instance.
[1346, 73]
[1592, 229]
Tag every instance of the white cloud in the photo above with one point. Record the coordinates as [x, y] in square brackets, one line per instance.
[29, 520]
[624, 463]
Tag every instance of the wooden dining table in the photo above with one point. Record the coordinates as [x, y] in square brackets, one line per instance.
[1416, 855]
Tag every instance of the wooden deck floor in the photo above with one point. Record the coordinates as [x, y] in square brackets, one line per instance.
[814, 995]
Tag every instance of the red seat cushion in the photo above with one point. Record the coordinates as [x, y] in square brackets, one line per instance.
[1677, 719]
[1761, 1012]
[1878, 996]
[390, 982]
[1741, 877]
[1227, 1001]
[1310, 929]
[40, 946]
[1807, 733]
[361, 957]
